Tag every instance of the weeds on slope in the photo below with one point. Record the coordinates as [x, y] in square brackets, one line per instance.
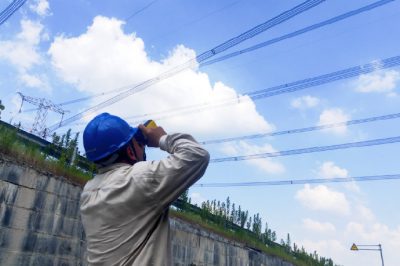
[32, 154]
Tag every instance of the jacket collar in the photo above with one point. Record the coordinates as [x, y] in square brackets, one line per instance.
[111, 167]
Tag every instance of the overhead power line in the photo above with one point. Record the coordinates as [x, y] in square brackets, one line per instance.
[349, 145]
[119, 90]
[204, 56]
[259, 29]
[304, 129]
[255, 47]
[10, 9]
[169, 33]
[275, 90]
[141, 10]
[301, 181]
[299, 32]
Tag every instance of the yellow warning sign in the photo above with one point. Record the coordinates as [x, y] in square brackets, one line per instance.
[354, 247]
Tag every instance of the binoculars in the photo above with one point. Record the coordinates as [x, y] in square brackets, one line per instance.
[139, 134]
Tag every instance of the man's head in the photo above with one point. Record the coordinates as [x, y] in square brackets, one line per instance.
[108, 138]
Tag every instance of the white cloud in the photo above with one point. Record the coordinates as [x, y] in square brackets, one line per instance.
[330, 170]
[321, 198]
[33, 81]
[320, 227]
[364, 213]
[330, 246]
[331, 116]
[104, 58]
[374, 233]
[22, 52]
[360, 228]
[305, 102]
[382, 81]
[30, 32]
[244, 148]
[197, 198]
[352, 186]
[40, 7]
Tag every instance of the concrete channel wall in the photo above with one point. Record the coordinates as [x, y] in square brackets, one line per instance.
[40, 225]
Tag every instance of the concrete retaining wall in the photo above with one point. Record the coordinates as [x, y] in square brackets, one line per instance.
[40, 225]
[192, 245]
[39, 218]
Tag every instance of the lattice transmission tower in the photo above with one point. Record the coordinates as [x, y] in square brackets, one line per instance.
[44, 105]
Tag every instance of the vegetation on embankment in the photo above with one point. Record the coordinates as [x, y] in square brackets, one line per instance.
[31, 153]
[224, 219]
[238, 236]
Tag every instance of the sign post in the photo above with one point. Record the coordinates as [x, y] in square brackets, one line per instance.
[355, 247]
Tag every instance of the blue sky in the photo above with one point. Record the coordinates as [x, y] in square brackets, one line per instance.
[65, 50]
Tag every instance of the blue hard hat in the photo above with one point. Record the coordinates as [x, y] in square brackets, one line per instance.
[105, 134]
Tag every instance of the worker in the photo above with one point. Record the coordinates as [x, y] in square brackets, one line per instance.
[124, 208]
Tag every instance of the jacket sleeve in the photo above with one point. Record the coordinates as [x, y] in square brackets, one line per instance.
[171, 176]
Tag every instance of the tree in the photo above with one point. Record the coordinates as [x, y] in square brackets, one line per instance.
[295, 248]
[1, 108]
[228, 206]
[249, 223]
[68, 147]
[214, 207]
[273, 236]
[185, 200]
[238, 217]
[233, 214]
[256, 228]
[267, 234]
[243, 217]
[185, 196]
[288, 243]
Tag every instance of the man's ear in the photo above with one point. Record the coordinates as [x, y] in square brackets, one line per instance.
[131, 154]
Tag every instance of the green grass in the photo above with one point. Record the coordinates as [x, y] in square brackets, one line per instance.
[12, 146]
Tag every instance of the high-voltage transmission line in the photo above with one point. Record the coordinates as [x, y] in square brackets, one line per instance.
[200, 58]
[349, 145]
[299, 32]
[305, 129]
[301, 181]
[255, 47]
[276, 90]
[10, 9]
[44, 105]
[141, 10]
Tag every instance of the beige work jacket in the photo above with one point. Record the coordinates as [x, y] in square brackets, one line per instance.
[124, 209]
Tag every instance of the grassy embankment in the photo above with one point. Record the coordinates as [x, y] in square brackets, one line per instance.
[30, 153]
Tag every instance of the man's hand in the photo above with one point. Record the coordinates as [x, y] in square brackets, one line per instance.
[152, 135]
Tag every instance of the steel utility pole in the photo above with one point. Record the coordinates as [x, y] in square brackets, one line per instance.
[39, 124]
[355, 247]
